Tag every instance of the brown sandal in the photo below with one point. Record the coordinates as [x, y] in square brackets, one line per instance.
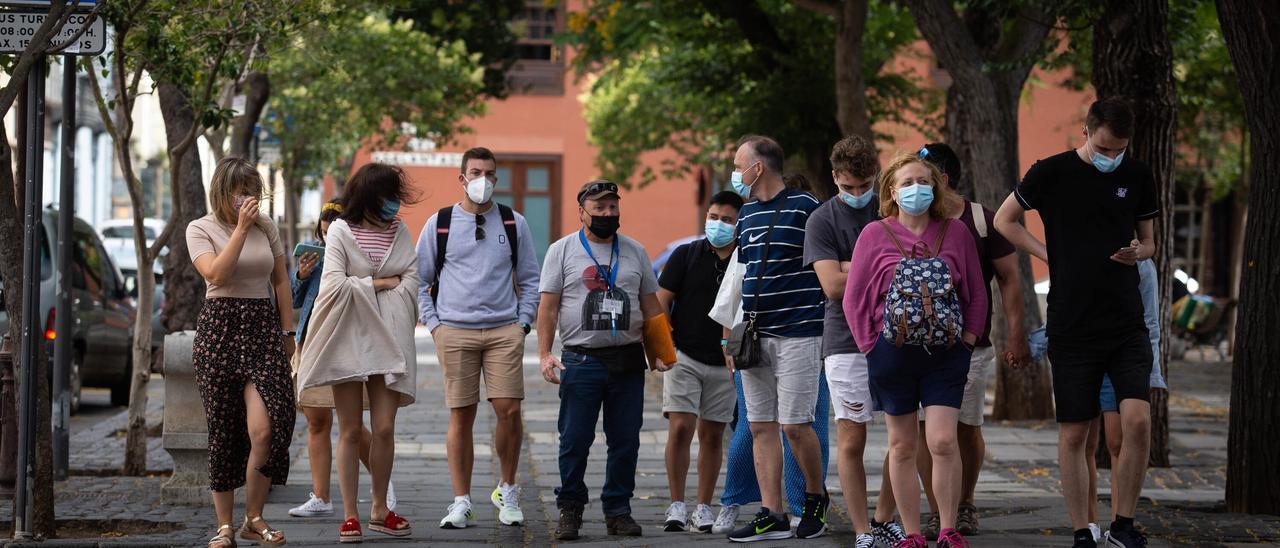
[223, 540]
[265, 536]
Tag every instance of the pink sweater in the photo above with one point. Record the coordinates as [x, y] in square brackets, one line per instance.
[873, 263]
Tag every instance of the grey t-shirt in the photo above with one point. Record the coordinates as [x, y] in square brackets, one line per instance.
[590, 312]
[830, 234]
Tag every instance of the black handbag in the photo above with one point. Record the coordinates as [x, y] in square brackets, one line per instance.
[744, 338]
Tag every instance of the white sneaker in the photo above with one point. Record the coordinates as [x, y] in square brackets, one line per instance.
[460, 515]
[864, 540]
[391, 497]
[1097, 532]
[507, 498]
[702, 519]
[726, 520]
[677, 517]
[313, 508]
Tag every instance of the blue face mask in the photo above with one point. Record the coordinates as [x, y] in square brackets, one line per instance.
[389, 209]
[915, 199]
[860, 201]
[719, 234]
[741, 188]
[1101, 161]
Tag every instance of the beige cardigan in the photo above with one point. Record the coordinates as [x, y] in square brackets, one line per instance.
[355, 332]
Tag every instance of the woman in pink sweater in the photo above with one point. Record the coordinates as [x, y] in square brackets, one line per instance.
[923, 270]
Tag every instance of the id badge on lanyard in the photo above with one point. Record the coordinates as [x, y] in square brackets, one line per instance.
[609, 305]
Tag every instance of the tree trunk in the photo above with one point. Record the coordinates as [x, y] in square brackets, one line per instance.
[1253, 479]
[257, 90]
[184, 288]
[1132, 58]
[851, 89]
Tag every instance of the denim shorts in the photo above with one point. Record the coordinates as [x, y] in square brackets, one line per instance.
[1107, 397]
[907, 378]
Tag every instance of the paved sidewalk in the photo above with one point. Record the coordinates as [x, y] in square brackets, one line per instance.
[1018, 494]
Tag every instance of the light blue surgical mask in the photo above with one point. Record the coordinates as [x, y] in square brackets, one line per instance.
[735, 181]
[1104, 163]
[389, 209]
[860, 201]
[915, 199]
[719, 233]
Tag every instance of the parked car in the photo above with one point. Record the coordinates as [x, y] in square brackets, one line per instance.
[102, 333]
[117, 234]
[127, 261]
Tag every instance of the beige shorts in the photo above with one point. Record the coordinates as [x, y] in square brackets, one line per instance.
[465, 354]
[699, 389]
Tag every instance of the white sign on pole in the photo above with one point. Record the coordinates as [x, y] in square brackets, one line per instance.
[18, 27]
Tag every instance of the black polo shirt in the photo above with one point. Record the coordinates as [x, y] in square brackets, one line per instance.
[693, 273]
[1089, 215]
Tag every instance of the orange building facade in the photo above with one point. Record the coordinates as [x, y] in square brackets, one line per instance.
[540, 140]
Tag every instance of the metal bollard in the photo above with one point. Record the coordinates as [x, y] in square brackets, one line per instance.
[8, 421]
[186, 431]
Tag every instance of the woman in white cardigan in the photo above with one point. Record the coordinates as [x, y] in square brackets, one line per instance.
[360, 339]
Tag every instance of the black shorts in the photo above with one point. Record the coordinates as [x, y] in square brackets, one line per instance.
[1078, 368]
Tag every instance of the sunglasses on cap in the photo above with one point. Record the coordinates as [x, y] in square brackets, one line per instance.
[923, 154]
[596, 188]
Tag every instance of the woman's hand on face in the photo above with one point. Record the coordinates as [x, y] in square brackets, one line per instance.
[248, 214]
[307, 264]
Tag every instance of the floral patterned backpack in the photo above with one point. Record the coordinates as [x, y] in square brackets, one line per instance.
[922, 307]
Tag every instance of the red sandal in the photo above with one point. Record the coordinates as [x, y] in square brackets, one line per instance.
[393, 525]
[350, 532]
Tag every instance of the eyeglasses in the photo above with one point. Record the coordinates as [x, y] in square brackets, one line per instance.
[479, 227]
[596, 188]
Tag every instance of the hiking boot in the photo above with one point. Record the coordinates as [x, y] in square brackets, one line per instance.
[623, 525]
[912, 541]
[932, 525]
[888, 533]
[677, 518]
[813, 518]
[967, 519]
[951, 538]
[765, 526]
[570, 522]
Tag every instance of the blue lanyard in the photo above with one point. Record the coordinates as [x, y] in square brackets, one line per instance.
[613, 272]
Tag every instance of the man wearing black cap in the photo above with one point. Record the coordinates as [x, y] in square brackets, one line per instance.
[593, 283]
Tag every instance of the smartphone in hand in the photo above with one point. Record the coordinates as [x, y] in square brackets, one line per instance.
[301, 249]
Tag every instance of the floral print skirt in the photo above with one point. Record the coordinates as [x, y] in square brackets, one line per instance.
[238, 342]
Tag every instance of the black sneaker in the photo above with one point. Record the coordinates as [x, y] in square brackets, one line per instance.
[887, 533]
[623, 525]
[766, 526]
[570, 522]
[1084, 539]
[1124, 538]
[813, 519]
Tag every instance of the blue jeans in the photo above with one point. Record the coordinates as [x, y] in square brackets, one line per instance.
[740, 485]
[586, 386]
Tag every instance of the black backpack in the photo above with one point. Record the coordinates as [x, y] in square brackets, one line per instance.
[445, 217]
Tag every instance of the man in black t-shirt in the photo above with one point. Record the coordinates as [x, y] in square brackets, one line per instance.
[699, 395]
[1093, 201]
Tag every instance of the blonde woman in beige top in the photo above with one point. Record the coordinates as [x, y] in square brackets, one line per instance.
[241, 350]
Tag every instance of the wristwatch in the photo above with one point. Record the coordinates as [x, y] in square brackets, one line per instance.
[284, 333]
[526, 327]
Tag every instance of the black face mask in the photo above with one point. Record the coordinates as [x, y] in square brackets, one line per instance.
[604, 226]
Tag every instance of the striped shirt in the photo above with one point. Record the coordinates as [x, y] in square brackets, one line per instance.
[791, 300]
[375, 242]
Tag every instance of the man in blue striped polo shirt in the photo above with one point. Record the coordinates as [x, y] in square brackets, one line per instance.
[783, 389]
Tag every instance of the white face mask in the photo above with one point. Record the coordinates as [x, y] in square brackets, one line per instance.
[480, 189]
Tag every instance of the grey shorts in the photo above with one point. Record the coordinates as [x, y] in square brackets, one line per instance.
[784, 388]
[700, 389]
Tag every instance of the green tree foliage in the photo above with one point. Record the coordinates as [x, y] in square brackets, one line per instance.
[692, 77]
[484, 26]
[1211, 125]
[355, 79]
